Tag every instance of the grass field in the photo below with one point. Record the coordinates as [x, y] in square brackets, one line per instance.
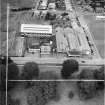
[96, 27]
[13, 22]
[63, 89]
[97, 30]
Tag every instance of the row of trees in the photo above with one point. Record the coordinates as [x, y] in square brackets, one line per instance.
[47, 90]
[31, 71]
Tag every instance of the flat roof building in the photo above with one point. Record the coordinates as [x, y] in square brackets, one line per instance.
[38, 29]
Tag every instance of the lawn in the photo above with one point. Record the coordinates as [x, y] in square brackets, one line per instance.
[63, 89]
[97, 30]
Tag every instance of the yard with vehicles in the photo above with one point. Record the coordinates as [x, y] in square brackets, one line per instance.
[27, 17]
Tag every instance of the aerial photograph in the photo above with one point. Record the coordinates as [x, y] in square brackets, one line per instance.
[52, 52]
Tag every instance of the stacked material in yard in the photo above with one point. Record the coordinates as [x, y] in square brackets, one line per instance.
[84, 46]
[72, 39]
[68, 5]
[83, 40]
[61, 41]
[60, 4]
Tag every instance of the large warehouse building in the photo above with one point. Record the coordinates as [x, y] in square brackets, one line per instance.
[34, 29]
[36, 37]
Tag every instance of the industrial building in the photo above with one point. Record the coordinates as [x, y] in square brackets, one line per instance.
[57, 32]
[36, 29]
[37, 37]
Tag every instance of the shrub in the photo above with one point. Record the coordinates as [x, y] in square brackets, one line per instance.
[43, 92]
[27, 84]
[11, 85]
[0, 60]
[2, 98]
[87, 74]
[100, 85]
[11, 101]
[48, 75]
[69, 67]
[2, 77]
[100, 74]
[71, 94]
[86, 89]
[50, 90]
[30, 71]
[13, 72]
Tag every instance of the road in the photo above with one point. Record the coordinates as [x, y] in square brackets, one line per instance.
[57, 61]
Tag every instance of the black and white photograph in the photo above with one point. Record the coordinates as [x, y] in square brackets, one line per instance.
[52, 52]
[54, 93]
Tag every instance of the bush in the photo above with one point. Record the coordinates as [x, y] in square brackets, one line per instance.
[100, 85]
[87, 74]
[87, 89]
[27, 84]
[13, 72]
[50, 90]
[11, 101]
[11, 85]
[43, 92]
[30, 71]
[2, 98]
[71, 95]
[35, 97]
[69, 67]
[48, 75]
[100, 74]
[2, 78]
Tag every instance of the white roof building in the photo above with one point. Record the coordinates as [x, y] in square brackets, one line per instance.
[51, 6]
[34, 28]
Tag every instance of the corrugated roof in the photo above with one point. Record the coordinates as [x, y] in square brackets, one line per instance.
[34, 28]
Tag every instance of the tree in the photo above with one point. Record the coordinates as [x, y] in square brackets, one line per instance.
[100, 85]
[68, 68]
[87, 89]
[47, 16]
[2, 77]
[100, 73]
[13, 74]
[43, 92]
[13, 71]
[30, 71]
[11, 101]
